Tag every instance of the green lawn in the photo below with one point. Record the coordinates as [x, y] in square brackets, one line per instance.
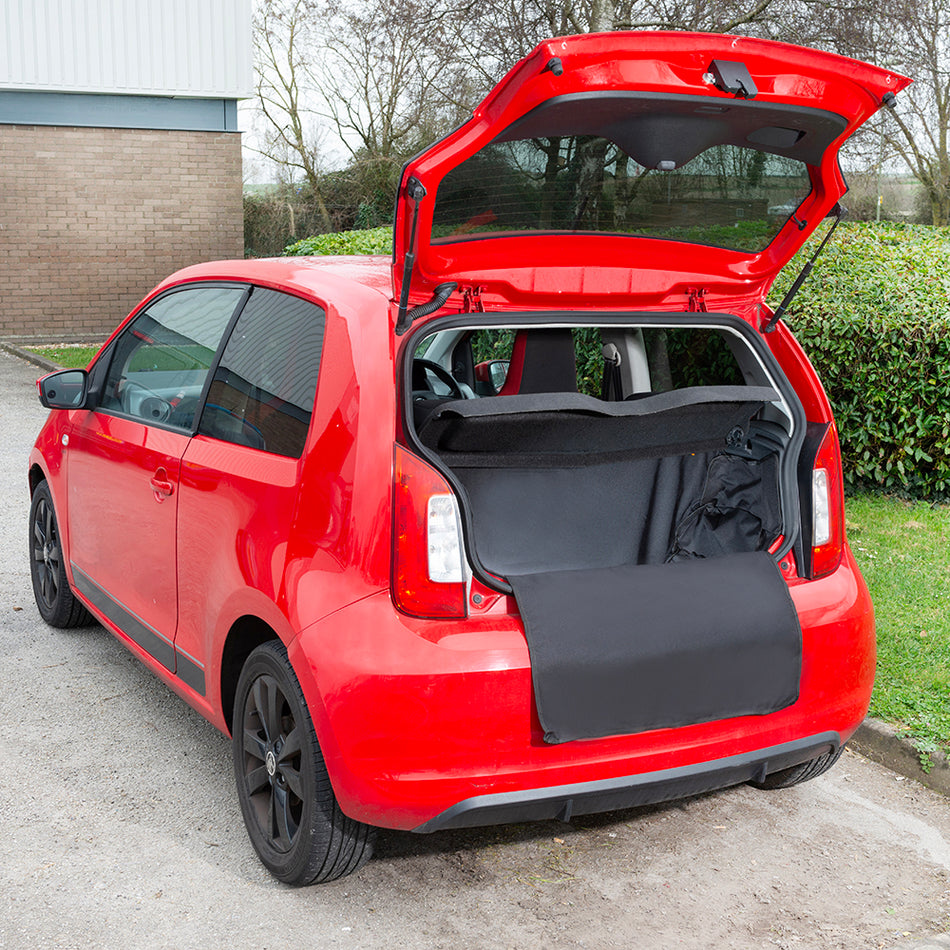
[903, 549]
[72, 357]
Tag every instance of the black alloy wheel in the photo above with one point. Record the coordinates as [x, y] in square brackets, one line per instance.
[54, 597]
[291, 813]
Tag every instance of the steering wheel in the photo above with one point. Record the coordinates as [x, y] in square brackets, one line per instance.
[420, 369]
[140, 401]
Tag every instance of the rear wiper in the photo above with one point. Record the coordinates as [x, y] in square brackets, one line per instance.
[838, 211]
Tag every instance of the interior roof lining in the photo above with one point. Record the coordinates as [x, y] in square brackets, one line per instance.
[653, 127]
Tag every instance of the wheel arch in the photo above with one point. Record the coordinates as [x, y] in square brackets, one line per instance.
[36, 476]
[246, 634]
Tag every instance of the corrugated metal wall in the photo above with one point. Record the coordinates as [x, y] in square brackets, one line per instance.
[142, 47]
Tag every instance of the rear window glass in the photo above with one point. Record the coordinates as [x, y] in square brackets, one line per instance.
[727, 196]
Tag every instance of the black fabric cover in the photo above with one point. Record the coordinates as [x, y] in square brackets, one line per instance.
[738, 511]
[599, 514]
[550, 429]
[626, 649]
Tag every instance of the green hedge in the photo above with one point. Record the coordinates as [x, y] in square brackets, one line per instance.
[874, 318]
[370, 241]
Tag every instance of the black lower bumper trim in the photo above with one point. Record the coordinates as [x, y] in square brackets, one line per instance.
[585, 798]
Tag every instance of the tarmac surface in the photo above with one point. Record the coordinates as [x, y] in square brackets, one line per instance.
[120, 827]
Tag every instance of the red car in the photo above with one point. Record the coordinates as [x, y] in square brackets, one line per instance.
[540, 518]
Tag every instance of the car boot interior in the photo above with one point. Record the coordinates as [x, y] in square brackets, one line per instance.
[633, 531]
[555, 479]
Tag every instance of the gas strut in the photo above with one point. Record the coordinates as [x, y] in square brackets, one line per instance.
[416, 191]
[838, 212]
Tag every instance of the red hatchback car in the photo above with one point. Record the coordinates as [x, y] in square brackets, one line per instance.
[540, 518]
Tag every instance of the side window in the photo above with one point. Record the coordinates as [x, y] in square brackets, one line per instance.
[680, 357]
[162, 358]
[263, 389]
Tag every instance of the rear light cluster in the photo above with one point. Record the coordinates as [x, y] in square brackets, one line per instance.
[827, 505]
[429, 567]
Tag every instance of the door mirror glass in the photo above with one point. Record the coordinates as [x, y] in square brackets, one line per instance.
[498, 373]
[63, 390]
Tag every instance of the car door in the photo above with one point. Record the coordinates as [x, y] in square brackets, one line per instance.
[240, 474]
[124, 458]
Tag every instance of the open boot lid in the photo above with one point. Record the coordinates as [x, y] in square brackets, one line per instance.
[651, 170]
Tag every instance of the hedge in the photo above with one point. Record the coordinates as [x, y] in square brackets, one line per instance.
[874, 318]
[369, 241]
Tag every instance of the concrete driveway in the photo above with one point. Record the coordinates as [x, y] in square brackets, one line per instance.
[119, 827]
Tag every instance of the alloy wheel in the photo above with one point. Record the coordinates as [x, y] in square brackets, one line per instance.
[272, 762]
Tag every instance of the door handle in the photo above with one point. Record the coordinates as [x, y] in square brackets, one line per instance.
[161, 486]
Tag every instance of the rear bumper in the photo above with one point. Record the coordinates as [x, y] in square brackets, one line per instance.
[585, 798]
[433, 724]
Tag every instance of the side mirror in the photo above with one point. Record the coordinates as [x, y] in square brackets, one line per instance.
[65, 389]
[498, 372]
[492, 372]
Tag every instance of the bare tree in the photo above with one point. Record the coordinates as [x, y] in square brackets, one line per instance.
[910, 37]
[920, 127]
[284, 40]
[385, 64]
[493, 35]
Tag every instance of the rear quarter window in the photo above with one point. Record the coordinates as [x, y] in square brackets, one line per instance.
[263, 389]
[689, 356]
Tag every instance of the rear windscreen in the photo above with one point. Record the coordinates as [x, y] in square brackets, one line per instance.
[727, 196]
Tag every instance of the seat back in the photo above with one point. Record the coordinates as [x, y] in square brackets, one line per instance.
[542, 361]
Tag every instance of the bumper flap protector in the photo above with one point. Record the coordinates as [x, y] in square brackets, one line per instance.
[626, 649]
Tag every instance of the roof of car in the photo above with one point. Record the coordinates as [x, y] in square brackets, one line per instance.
[307, 275]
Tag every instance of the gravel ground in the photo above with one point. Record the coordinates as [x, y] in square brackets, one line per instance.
[121, 828]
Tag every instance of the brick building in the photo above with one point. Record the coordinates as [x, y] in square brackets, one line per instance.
[120, 158]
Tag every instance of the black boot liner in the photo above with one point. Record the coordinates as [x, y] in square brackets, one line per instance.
[633, 536]
[625, 649]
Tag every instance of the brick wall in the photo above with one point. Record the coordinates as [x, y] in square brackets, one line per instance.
[92, 219]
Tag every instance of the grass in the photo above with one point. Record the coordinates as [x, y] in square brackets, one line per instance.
[69, 356]
[903, 549]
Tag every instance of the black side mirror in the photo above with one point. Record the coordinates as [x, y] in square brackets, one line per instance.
[65, 389]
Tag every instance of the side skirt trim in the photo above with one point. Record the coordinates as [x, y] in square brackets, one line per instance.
[148, 638]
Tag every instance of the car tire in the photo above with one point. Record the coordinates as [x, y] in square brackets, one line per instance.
[796, 774]
[292, 816]
[55, 600]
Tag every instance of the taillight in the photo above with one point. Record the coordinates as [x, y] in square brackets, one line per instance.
[827, 506]
[429, 566]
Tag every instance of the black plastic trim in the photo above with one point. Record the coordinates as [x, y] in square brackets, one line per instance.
[629, 791]
[190, 672]
[814, 435]
[137, 630]
[588, 113]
